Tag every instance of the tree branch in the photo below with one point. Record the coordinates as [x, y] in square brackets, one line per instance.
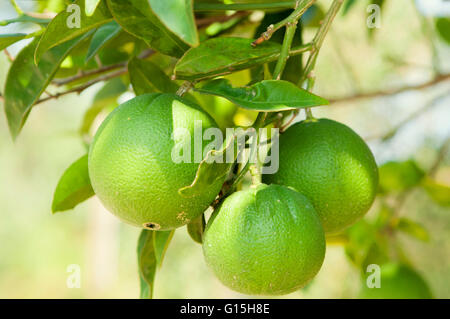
[103, 69]
[392, 132]
[83, 87]
[438, 79]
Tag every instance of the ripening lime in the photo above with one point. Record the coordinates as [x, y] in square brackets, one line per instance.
[331, 165]
[266, 240]
[397, 281]
[131, 166]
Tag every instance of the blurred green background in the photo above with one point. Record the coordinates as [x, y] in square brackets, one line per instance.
[37, 247]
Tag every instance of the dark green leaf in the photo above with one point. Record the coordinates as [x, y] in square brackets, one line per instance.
[74, 186]
[90, 6]
[104, 34]
[412, 228]
[60, 29]
[220, 56]
[209, 170]
[150, 250]
[147, 77]
[137, 18]
[439, 193]
[8, 39]
[26, 81]
[105, 97]
[196, 228]
[443, 29]
[268, 95]
[399, 176]
[178, 17]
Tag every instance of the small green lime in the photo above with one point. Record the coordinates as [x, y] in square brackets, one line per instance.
[266, 240]
[131, 166]
[331, 165]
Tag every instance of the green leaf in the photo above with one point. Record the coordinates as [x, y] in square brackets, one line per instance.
[90, 6]
[105, 97]
[361, 236]
[26, 81]
[412, 228]
[104, 34]
[62, 28]
[151, 248]
[219, 56]
[137, 18]
[439, 193]
[209, 170]
[161, 241]
[147, 77]
[267, 95]
[196, 228]
[399, 176]
[178, 17]
[8, 39]
[443, 29]
[73, 187]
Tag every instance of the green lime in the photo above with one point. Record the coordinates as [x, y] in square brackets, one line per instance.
[131, 166]
[266, 240]
[331, 165]
[397, 281]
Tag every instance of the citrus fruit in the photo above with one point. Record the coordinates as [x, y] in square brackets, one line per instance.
[131, 166]
[331, 165]
[266, 240]
[398, 281]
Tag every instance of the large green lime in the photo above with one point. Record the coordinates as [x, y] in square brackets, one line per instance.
[331, 165]
[397, 281]
[131, 166]
[265, 241]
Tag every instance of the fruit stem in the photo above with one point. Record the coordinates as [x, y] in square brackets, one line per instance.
[286, 47]
[319, 37]
[256, 175]
[16, 7]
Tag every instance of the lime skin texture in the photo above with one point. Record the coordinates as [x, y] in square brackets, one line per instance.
[131, 167]
[332, 166]
[266, 240]
[398, 281]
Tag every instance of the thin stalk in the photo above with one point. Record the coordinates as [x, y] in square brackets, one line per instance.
[285, 49]
[319, 37]
[300, 7]
[16, 7]
[243, 6]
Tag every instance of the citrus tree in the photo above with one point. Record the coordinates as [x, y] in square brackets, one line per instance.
[268, 229]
